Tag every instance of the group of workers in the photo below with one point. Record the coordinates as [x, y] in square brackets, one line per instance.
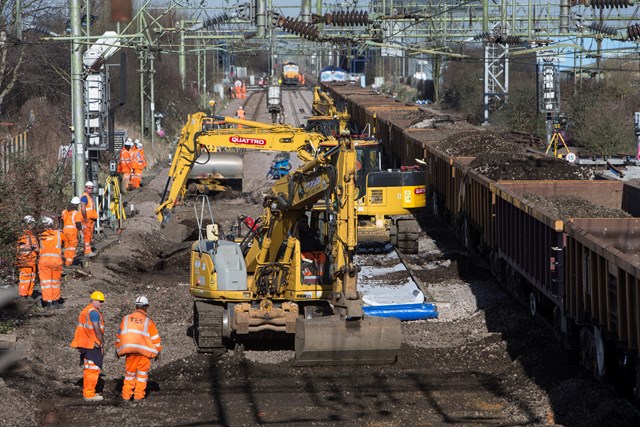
[238, 90]
[137, 340]
[54, 247]
[131, 163]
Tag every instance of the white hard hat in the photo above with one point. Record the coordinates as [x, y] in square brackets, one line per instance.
[29, 220]
[128, 143]
[240, 107]
[138, 143]
[75, 200]
[47, 221]
[88, 184]
[142, 301]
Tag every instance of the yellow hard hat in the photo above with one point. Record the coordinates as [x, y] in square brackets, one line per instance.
[97, 296]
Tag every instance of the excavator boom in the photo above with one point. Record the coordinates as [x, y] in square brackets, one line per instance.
[196, 138]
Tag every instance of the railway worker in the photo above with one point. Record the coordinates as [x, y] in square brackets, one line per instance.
[71, 227]
[26, 257]
[138, 163]
[139, 341]
[50, 264]
[240, 115]
[89, 217]
[125, 164]
[89, 340]
[243, 91]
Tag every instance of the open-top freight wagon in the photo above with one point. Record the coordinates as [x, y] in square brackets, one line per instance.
[558, 238]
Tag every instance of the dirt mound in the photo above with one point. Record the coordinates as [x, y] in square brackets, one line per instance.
[509, 166]
[471, 144]
[574, 207]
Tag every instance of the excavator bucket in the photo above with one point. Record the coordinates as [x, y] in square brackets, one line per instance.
[332, 340]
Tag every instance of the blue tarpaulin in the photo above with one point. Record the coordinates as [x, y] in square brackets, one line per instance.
[403, 311]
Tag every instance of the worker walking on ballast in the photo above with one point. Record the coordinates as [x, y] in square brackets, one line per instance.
[138, 339]
[89, 340]
[26, 257]
[71, 228]
[50, 264]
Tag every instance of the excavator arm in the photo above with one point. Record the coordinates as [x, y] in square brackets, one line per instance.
[194, 138]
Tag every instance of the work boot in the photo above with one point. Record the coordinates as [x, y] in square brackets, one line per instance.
[96, 398]
[90, 254]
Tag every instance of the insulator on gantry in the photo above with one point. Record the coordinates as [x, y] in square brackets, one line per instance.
[482, 36]
[602, 28]
[603, 4]
[299, 28]
[512, 40]
[633, 32]
[211, 22]
[342, 18]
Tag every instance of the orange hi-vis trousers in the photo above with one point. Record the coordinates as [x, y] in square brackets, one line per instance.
[136, 178]
[70, 244]
[89, 225]
[27, 279]
[92, 366]
[50, 279]
[136, 376]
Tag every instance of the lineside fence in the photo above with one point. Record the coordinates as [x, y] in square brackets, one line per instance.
[17, 145]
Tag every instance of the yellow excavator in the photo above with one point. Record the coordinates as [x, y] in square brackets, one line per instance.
[387, 198]
[282, 278]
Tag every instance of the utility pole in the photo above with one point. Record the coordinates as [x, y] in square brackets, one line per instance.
[77, 106]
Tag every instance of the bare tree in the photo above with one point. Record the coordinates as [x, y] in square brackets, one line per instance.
[13, 48]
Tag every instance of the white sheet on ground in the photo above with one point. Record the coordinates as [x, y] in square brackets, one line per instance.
[382, 282]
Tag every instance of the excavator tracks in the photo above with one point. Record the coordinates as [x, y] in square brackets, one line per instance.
[207, 327]
[408, 232]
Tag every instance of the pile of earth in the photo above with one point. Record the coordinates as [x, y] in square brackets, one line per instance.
[422, 119]
[565, 207]
[514, 166]
[475, 143]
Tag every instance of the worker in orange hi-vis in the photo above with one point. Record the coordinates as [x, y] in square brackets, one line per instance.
[137, 339]
[243, 91]
[240, 115]
[26, 257]
[71, 228]
[50, 264]
[89, 340]
[125, 164]
[138, 163]
[89, 217]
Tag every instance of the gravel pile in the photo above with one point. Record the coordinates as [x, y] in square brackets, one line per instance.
[508, 166]
[474, 143]
[565, 207]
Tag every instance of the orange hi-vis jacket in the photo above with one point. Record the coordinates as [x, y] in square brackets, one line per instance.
[138, 162]
[27, 248]
[69, 219]
[92, 214]
[85, 336]
[125, 164]
[51, 247]
[138, 335]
